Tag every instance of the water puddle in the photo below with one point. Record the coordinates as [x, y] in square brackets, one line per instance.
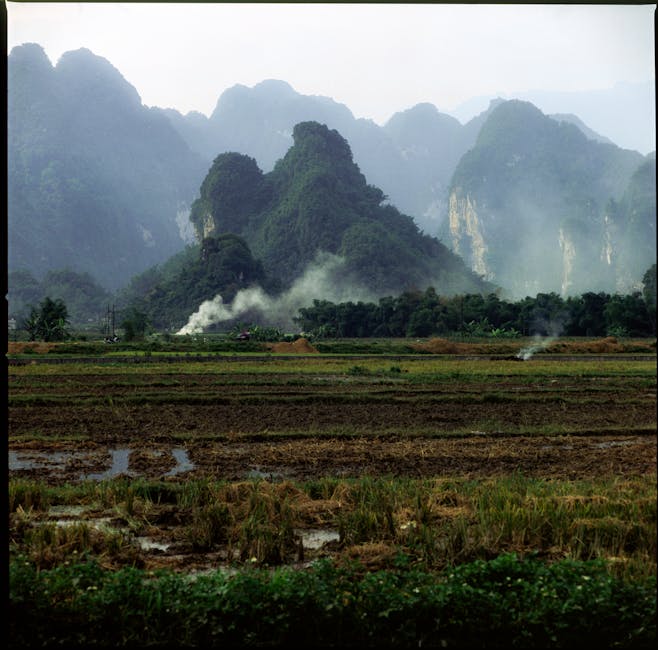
[60, 461]
[183, 462]
[120, 458]
[315, 538]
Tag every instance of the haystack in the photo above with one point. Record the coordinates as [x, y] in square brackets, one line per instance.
[300, 346]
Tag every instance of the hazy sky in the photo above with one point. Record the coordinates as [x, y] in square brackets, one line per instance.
[375, 58]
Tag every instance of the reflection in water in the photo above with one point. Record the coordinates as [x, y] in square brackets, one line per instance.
[58, 461]
[182, 460]
[120, 459]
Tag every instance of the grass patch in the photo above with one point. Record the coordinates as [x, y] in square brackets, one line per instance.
[437, 522]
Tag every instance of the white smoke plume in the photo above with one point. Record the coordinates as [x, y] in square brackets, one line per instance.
[317, 282]
[540, 343]
[554, 329]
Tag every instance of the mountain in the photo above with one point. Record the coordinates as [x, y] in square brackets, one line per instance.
[630, 229]
[412, 169]
[599, 109]
[431, 144]
[97, 182]
[576, 121]
[311, 228]
[411, 158]
[536, 206]
[317, 200]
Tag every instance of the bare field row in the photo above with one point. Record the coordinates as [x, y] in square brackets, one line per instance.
[315, 416]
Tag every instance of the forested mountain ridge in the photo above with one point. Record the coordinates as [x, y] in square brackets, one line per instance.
[317, 200]
[412, 157]
[97, 182]
[312, 228]
[536, 206]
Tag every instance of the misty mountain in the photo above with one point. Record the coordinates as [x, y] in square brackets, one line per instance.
[411, 158]
[413, 170]
[601, 110]
[536, 206]
[576, 121]
[97, 182]
[317, 200]
[312, 228]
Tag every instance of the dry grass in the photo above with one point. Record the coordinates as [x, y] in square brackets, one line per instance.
[21, 347]
[607, 345]
[300, 346]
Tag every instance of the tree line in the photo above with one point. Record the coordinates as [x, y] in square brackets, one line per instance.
[426, 313]
[418, 313]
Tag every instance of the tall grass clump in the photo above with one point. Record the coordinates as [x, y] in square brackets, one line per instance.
[266, 529]
[28, 495]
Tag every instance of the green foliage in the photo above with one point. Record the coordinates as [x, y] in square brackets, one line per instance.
[230, 194]
[316, 199]
[222, 265]
[84, 297]
[134, 324]
[416, 314]
[649, 293]
[501, 603]
[49, 322]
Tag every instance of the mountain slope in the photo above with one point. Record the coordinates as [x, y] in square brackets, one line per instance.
[258, 122]
[411, 158]
[625, 113]
[317, 200]
[527, 203]
[96, 181]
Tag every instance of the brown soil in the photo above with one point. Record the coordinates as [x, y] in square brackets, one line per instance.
[65, 427]
[607, 345]
[39, 347]
[299, 346]
[338, 427]
[479, 456]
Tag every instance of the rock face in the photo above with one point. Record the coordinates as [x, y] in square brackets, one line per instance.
[466, 234]
[536, 206]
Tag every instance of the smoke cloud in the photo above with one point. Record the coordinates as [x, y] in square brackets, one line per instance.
[319, 281]
[553, 328]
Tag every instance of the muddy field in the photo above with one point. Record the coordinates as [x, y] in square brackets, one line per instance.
[276, 422]
[65, 425]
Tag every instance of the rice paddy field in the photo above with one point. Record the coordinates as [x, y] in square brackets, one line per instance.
[277, 461]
